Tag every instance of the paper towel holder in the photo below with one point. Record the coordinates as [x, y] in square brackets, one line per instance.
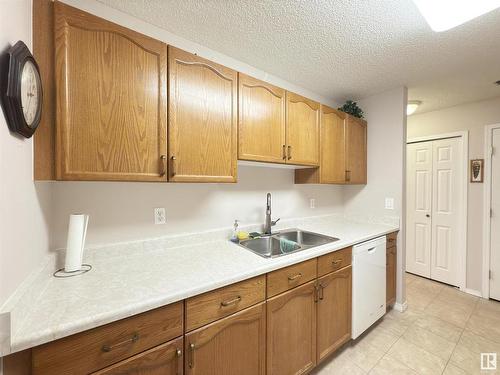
[61, 273]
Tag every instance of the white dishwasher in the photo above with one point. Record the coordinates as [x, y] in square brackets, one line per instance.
[368, 284]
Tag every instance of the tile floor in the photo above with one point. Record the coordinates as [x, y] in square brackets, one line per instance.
[443, 331]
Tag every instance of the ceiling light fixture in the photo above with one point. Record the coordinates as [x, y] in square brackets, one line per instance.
[442, 15]
[412, 106]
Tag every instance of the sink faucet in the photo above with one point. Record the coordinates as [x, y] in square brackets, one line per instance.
[269, 223]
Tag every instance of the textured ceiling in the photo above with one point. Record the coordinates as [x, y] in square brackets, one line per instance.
[341, 48]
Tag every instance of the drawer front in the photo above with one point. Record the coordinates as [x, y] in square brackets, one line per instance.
[334, 261]
[209, 307]
[391, 239]
[97, 348]
[287, 278]
[165, 359]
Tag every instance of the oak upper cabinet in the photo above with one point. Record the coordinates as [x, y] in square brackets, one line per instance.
[356, 150]
[261, 122]
[233, 345]
[332, 165]
[202, 122]
[302, 130]
[291, 331]
[111, 100]
[165, 359]
[334, 311]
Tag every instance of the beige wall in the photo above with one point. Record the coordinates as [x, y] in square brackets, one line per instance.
[471, 117]
[386, 116]
[124, 211]
[24, 206]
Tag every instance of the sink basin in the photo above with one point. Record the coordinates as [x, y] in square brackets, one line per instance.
[304, 238]
[265, 246]
[269, 246]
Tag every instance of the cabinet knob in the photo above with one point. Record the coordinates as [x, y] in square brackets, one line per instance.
[289, 152]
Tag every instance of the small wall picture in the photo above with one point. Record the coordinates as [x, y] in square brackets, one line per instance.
[477, 170]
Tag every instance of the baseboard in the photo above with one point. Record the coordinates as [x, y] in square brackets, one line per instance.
[474, 292]
[401, 307]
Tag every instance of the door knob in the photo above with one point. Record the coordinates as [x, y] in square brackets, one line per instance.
[427, 215]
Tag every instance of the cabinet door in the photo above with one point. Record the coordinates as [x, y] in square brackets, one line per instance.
[302, 128]
[356, 146]
[110, 100]
[202, 119]
[261, 123]
[291, 331]
[233, 345]
[334, 311]
[165, 359]
[391, 276]
[332, 158]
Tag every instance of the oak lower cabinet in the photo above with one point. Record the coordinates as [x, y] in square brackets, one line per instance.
[111, 100]
[356, 150]
[391, 264]
[334, 311]
[302, 130]
[165, 359]
[291, 331]
[202, 119]
[233, 345]
[261, 121]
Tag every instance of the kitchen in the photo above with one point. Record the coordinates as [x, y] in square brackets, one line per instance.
[152, 155]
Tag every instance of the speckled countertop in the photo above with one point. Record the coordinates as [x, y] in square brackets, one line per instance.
[128, 279]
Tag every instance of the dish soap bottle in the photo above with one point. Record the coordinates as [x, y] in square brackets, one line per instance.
[234, 235]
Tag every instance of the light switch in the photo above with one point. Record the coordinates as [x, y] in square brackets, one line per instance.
[389, 203]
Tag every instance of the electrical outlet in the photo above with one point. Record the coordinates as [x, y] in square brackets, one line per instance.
[389, 203]
[312, 203]
[160, 215]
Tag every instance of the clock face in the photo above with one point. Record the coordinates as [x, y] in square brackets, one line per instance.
[30, 92]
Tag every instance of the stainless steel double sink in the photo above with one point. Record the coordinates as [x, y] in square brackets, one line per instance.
[271, 246]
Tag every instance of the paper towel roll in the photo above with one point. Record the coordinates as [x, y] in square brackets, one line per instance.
[77, 230]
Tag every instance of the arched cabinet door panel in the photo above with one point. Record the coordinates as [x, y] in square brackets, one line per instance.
[111, 100]
[202, 112]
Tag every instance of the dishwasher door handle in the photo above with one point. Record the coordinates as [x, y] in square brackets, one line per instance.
[371, 250]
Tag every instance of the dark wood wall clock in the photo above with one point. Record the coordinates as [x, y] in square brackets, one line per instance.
[21, 90]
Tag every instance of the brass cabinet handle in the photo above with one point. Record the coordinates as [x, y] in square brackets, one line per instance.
[284, 152]
[163, 159]
[107, 348]
[231, 302]
[348, 176]
[336, 262]
[321, 295]
[173, 159]
[316, 292]
[289, 152]
[191, 356]
[294, 277]
[178, 355]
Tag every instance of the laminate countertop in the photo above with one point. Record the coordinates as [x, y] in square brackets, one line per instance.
[128, 279]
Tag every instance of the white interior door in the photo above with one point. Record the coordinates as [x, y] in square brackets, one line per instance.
[495, 218]
[419, 205]
[446, 212]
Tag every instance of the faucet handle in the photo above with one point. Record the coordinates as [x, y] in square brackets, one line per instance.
[273, 222]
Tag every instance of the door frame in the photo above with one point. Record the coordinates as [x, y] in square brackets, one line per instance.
[462, 260]
[488, 133]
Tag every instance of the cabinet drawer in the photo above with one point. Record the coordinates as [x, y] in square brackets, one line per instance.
[165, 359]
[290, 277]
[209, 307]
[334, 261]
[391, 239]
[97, 348]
